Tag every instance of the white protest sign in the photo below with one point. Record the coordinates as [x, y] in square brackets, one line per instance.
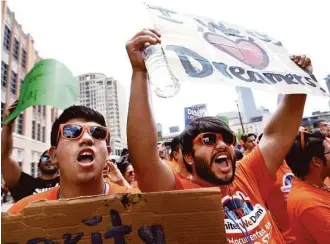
[207, 50]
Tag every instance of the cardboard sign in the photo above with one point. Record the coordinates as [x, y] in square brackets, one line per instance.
[194, 112]
[193, 216]
[202, 49]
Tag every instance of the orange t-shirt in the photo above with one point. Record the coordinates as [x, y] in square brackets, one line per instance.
[52, 194]
[327, 181]
[309, 212]
[243, 204]
[276, 202]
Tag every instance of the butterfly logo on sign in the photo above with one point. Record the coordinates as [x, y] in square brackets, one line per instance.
[245, 51]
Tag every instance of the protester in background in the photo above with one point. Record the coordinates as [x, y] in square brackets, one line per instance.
[79, 140]
[176, 162]
[127, 170]
[248, 142]
[322, 126]
[207, 146]
[161, 150]
[277, 200]
[113, 176]
[309, 198]
[4, 191]
[19, 183]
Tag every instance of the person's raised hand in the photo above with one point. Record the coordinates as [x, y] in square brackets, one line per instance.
[9, 110]
[303, 62]
[135, 46]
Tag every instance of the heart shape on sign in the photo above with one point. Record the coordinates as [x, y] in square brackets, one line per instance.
[246, 51]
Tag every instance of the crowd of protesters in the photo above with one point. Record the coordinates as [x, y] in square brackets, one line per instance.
[274, 186]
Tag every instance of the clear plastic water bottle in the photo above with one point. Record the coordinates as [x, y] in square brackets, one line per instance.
[165, 84]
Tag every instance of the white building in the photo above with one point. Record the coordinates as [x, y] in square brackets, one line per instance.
[255, 125]
[32, 127]
[106, 96]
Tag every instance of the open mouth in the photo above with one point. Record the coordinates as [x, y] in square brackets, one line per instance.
[222, 162]
[86, 157]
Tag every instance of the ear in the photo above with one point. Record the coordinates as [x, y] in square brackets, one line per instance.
[109, 149]
[175, 154]
[52, 154]
[316, 162]
[188, 158]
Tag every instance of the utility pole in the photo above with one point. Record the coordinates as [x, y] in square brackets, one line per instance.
[240, 117]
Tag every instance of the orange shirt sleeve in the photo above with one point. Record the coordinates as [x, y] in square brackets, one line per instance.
[254, 169]
[317, 222]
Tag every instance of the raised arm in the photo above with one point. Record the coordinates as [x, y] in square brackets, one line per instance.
[10, 168]
[152, 173]
[281, 130]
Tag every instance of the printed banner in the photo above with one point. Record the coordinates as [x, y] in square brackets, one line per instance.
[194, 112]
[48, 83]
[201, 49]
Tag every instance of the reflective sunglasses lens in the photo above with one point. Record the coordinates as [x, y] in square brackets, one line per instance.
[44, 159]
[72, 131]
[98, 132]
[209, 139]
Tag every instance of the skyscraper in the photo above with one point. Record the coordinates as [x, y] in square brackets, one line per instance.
[327, 82]
[246, 103]
[106, 96]
[32, 127]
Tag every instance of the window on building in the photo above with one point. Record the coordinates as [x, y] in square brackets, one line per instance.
[21, 85]
[44, 110]
[33, 129]
[6, 38]
[13, 82]
[20, 121]
[39, 108]
[33, 169]
[4, 73]
[43, 134]
[38, 131]
[20, 164]
[2, 110]
[16, 49]
[23, 60]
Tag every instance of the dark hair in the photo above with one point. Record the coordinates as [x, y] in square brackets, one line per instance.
[246, 136]
[123, 167]
[201, 125]
[260, 136]
[317, 123]
[298, 158]
[75, 112]
[43, 154]
[124, 152]
[175, 145]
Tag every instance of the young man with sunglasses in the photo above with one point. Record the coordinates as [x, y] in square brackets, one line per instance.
[19, 183]
[207, 147]
[309, 198]
[79, 140]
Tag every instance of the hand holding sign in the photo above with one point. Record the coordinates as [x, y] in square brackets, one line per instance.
[48, 83]
[302, 61]
[9, 111]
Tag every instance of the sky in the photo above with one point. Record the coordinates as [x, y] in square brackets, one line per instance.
[90, 36]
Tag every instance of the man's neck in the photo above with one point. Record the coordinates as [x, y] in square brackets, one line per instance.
[48, 177]
[314, 179]
[70, 190]
[183, 170]
[199, 181]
